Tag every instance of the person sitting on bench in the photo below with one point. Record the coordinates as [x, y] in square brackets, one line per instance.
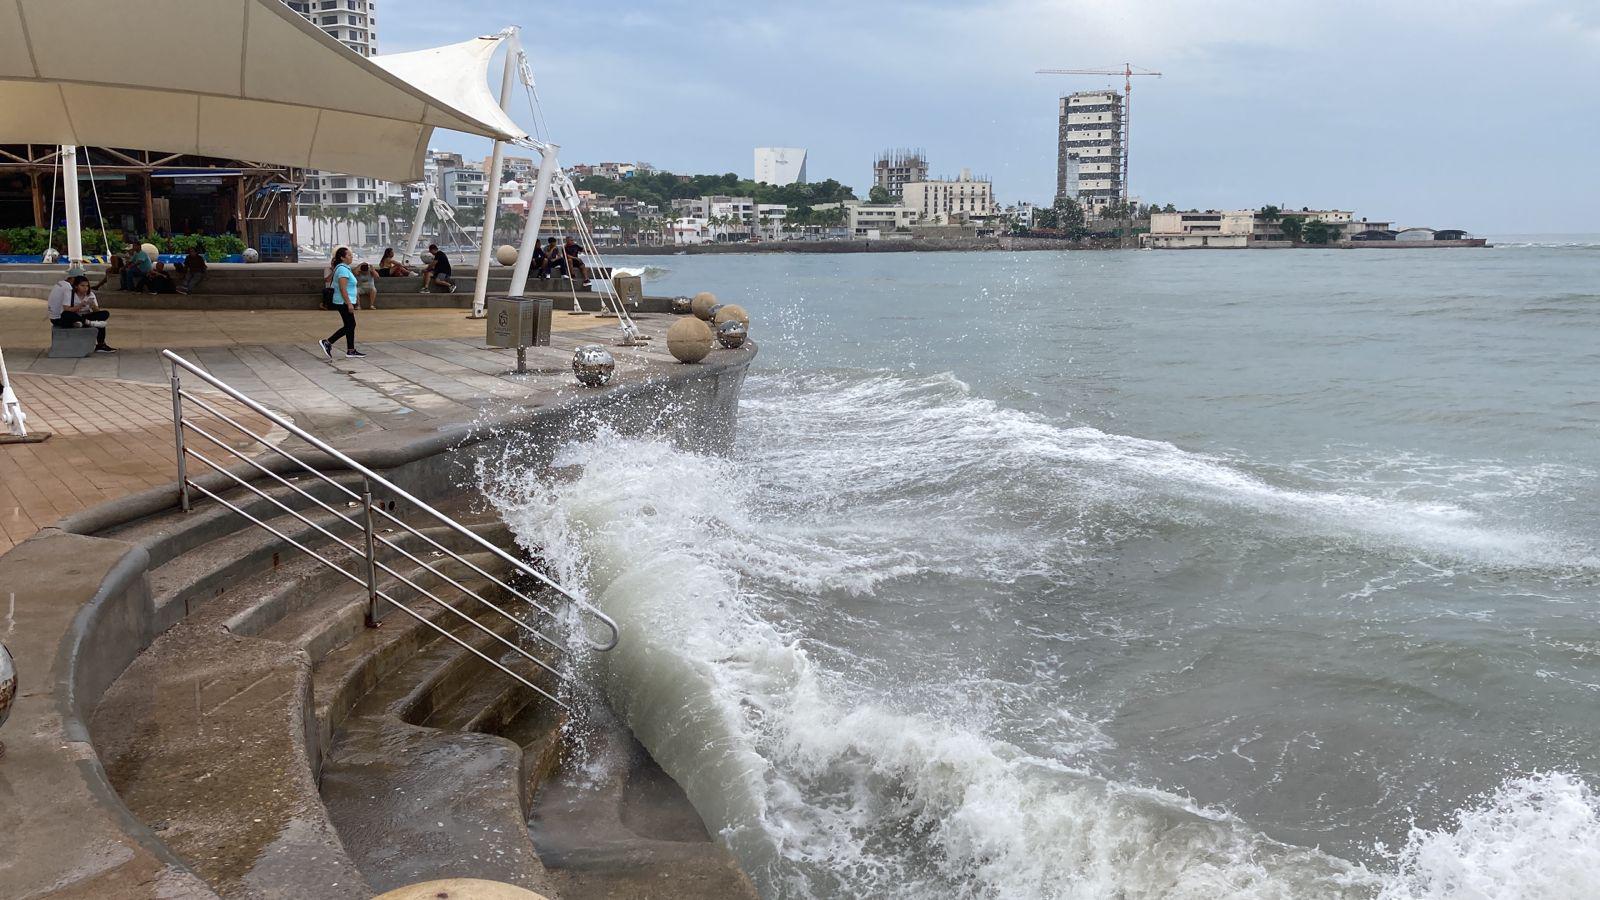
[194, 270]
[74, 305]
[390, 266]
[138, 267]
[575, 267]
[437, 272]
[159, 281]
[554, 259]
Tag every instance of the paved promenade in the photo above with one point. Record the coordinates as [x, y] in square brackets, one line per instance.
[111, 415]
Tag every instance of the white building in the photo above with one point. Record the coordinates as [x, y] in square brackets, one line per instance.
[779, 166]
[1196, 228]
[1089, 155]
[948, 202]
[873, 220]
[355, 24]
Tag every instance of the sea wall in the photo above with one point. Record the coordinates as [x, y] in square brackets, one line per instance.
[80, 610]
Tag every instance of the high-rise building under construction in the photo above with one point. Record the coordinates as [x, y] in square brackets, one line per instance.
[894, 168]
[1089, 164]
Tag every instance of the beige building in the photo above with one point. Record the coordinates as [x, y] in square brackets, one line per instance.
[883, 218]
[1089, 160]
[944, 202]
[1246, 227]
[1210, 228]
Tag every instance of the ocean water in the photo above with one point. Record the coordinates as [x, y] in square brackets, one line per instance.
[1122, 574]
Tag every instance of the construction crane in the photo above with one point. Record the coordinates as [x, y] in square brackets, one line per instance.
[1127, 72]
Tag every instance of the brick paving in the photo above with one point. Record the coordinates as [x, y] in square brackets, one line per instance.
[109, 438]
[112, 414]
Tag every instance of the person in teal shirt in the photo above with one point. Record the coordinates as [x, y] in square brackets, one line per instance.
[344, 300]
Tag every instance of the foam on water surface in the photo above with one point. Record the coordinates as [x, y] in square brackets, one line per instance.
[753, 592]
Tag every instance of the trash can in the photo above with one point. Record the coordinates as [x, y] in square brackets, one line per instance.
[518, 322]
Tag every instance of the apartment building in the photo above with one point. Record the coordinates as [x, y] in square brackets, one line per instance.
[893, 169]
[945, 202]
[1089, 155]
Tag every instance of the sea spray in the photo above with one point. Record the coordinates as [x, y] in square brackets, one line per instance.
[818, 793]
[757, 667]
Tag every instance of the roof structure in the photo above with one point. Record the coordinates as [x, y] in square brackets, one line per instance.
[243, 79]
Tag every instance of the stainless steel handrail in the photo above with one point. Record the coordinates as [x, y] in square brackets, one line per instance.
[371, 477]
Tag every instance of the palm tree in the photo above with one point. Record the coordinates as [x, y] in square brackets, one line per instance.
[1293, 227]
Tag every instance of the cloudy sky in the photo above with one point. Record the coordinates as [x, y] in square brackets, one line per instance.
[1480, 114]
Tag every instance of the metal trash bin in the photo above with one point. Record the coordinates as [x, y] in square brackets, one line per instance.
[629, 288]
[518, 322]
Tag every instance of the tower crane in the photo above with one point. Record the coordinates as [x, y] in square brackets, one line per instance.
[1127, 72]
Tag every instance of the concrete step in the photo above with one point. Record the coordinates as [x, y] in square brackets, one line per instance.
[610, 824]
[414, 803]
[209, 738]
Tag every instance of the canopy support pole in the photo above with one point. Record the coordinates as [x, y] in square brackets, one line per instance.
[69, 195]
[491, 204]
[530, 233]
[11, 413]
[423, 206]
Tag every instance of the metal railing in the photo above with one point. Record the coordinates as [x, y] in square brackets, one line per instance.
[366, 547]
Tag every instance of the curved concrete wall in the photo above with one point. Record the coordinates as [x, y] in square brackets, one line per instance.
[81, 609]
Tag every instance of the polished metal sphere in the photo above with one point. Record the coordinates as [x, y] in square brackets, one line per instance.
[712, 319]
[702, 303]
[689, 340]
[731, 312]
[731, 334]
[251, 255]
[682, 305]
[506, 255]
[8, 683]
[593, 364]
[51, 255]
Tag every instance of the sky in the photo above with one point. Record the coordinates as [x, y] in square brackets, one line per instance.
[1479, 114]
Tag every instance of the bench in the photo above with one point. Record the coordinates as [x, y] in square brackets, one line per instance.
[72, 343]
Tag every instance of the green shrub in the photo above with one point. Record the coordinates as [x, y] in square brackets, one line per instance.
[26, 240]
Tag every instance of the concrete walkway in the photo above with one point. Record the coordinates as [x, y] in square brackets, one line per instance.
[111, 414]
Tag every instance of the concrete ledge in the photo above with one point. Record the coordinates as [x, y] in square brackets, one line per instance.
[83, 608]
[85, 611]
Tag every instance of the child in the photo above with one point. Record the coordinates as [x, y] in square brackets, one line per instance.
[366, 287]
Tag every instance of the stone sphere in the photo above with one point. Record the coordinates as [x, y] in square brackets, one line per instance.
[460, 889]
[506, 255]
[426, 257]
[150, 250]
[731, 312]
[251, 255]
[702, 303]
[8, 683]
[682, 305]
[731, 334]
[593, 364]
[689, 340]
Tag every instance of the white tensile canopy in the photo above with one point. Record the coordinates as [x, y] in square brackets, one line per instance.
[242, 79]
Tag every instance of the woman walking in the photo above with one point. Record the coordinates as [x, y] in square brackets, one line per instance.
[343, 282]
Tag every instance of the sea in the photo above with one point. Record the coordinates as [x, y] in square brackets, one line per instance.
[1121, 574]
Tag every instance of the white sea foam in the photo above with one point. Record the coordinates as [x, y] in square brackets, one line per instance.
[1537, 838]
[823, 784]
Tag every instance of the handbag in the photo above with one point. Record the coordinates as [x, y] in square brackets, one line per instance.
[327, 298]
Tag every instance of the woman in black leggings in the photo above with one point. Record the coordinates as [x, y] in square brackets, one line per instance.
[344, 300]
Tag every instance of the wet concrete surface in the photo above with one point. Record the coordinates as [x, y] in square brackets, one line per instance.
[609, 823]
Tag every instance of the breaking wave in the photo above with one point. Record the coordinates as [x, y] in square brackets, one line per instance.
[744, 586]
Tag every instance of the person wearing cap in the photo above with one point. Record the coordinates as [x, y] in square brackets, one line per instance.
[73, 304]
